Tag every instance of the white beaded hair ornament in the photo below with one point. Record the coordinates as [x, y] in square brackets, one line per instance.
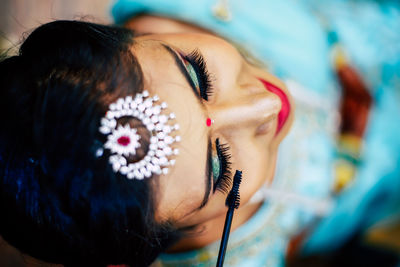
[123, 141]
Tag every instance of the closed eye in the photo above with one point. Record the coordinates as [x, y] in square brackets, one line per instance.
[221, 166]
[197, 69]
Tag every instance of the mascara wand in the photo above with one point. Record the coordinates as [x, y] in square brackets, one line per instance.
[232, 202]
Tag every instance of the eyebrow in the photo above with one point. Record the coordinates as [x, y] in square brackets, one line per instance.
[208, 168]
[182, 69]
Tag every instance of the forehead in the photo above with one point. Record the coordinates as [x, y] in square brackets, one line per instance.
[182, 189]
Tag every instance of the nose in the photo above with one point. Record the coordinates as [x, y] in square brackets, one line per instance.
[250, 110]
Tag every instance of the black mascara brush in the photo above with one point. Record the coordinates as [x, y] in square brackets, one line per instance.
[232, 202]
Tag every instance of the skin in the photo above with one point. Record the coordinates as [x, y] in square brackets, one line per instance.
[245, 118]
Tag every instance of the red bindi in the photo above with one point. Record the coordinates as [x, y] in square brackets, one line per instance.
[209, 122]
[124, 140]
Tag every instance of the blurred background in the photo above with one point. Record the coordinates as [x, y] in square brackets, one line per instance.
[19, 17]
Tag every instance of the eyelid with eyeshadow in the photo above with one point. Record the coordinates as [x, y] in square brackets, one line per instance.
[181, 65]
[223, 168]
[196, 64]
[196, 71]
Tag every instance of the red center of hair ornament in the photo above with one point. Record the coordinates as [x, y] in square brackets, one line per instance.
[209, 122]
[124, 140]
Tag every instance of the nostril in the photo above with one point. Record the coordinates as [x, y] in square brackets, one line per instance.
[252, 88]
[267, 126]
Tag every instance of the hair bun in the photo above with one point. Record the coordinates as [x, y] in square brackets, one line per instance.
[17, 98]
[63, 204]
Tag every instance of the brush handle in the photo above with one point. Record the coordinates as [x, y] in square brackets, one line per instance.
[225, 237]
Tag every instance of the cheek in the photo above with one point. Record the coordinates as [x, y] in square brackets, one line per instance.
[256, 172]
[225, 65]
[179, 196]
[214, 209]
[256, 158]
[184, 187]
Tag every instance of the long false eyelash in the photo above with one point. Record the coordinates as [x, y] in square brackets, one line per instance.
[197, 60]
[225, 174]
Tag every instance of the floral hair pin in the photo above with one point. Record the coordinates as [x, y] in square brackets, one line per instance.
[123, 140]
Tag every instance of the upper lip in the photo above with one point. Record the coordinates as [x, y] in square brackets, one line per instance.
[285, 104]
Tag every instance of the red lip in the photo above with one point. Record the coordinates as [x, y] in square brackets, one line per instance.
[285, 109]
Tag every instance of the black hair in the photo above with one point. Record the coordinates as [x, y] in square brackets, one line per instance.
[58, 201]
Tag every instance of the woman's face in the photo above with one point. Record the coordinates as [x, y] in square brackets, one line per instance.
[244, 104]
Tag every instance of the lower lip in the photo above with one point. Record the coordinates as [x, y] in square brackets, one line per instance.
[285, 109]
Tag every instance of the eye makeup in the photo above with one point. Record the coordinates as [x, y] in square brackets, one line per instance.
[220, 162]
[194, 69]
[221, 167]
[197, 70]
